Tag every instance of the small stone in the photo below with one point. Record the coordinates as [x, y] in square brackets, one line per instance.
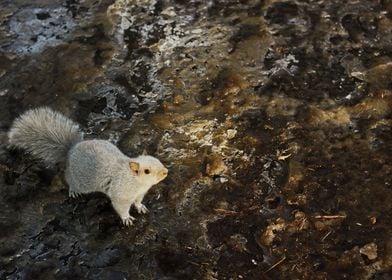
[169, 12]
[215, 166]
[369, 250]
[231, 133]
[178, 99]
[319, 225]
[299, 199]
[223, 179]
[238, 242]
[197, 31]
[268, 236]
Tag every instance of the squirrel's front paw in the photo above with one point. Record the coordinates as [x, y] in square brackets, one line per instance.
[128, 221]
[141, 209]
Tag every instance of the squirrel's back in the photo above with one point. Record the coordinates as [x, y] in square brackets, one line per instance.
[93, 163]
[44, 133]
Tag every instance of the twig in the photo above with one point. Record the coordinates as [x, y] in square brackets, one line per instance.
[330, 217]
[302, 224]
[198, 264]
[275, 265]
[325, 236]
[283, 157]
[224, 211]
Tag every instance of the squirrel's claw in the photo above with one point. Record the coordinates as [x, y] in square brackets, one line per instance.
[74, 194]
[141, 209]
[128, 221]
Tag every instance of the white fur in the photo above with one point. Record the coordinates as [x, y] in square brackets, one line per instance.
[97, 165]
[44, 133]
[91, 165]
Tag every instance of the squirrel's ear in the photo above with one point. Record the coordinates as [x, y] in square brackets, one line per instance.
[144, 152]
[134, 167]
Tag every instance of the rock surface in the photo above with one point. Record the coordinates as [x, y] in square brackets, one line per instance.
[274, 118]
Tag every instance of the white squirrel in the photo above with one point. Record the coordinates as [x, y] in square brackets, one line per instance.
[91, 165]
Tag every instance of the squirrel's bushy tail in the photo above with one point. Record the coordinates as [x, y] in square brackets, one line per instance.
[44, 133]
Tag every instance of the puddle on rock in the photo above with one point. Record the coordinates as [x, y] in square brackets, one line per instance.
[274, 118]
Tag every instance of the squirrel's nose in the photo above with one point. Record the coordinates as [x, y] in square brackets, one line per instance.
[164, 172]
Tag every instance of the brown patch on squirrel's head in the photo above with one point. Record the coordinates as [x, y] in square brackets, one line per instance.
[135, 167]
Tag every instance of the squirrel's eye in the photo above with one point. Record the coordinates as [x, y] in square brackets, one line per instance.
[147, 171]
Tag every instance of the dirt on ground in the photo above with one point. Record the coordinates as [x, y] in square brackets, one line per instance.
[273, 117]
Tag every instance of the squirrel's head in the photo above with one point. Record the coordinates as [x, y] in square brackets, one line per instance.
[148, 170]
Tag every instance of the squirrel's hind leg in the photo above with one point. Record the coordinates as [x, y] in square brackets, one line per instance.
[72, 184]
[72, 191]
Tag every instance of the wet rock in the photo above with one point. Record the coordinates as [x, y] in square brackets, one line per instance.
[108, 257]
[272, 116]
[110, 274]
[35, 29]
